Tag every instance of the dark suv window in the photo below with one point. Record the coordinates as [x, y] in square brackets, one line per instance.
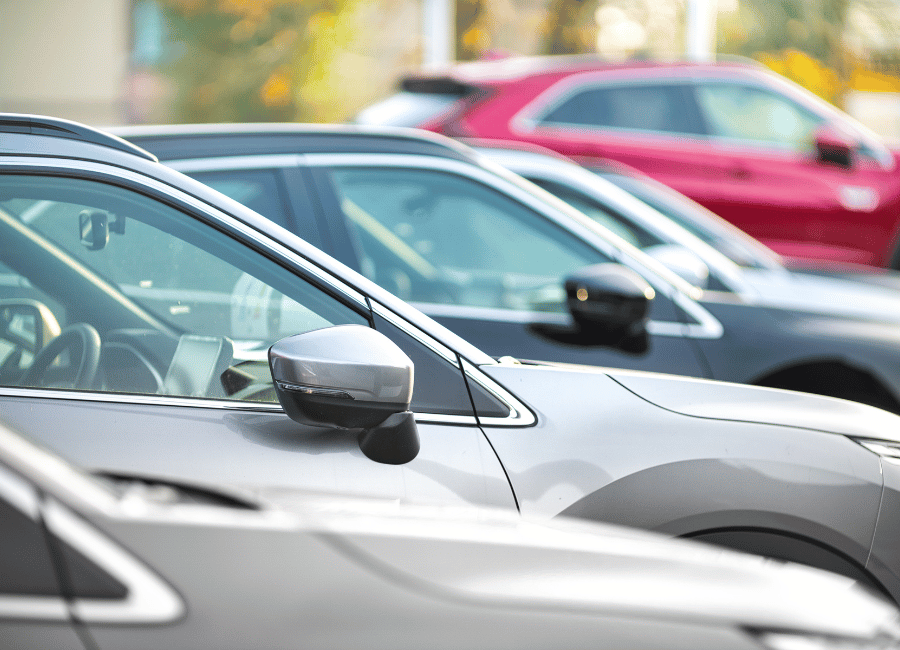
[659, 107]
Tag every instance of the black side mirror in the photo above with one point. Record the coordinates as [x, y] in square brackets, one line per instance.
[610, 306]
[834, 148]
[349, 377]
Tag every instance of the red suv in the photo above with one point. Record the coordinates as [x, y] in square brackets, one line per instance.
[759, 150]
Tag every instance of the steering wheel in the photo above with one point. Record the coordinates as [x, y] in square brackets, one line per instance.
[79, 339]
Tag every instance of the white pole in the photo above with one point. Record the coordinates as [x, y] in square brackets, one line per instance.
[438, 32]
[701, 29]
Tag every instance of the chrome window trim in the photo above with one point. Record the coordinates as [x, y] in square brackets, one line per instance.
[138, 399]
[519, 414]
[149, 599]
[116, 175]
[173, 401]
[707, 325]
[230, 163]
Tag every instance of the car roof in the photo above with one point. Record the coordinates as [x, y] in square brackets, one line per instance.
[512, 69]
[171, 142]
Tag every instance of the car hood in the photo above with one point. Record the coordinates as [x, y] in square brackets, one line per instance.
[740, 403]
[843, 293]
[498, 558]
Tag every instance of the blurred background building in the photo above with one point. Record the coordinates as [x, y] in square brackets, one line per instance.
[140, 61]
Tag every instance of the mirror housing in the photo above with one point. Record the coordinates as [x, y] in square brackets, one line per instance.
[349, 377]
[93, 228]
[610, 306]
[682, 261]
[833, 147]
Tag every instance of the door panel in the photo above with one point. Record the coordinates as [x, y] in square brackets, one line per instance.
[254, 449]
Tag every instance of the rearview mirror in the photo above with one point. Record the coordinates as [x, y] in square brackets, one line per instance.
[349, 377]
[93, 227]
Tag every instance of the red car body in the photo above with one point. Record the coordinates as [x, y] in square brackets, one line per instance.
[759, 150]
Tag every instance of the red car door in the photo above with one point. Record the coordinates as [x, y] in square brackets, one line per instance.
[773, 184]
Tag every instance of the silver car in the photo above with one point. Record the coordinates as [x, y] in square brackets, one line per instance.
[152, 326]
[135, 564]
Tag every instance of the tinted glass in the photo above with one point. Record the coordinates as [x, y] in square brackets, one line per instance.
[609, 219]
[258, 189]
[179, 308]
[755, 114]
[436, 237]
[663, 107]
[438, 384]
[25, 564]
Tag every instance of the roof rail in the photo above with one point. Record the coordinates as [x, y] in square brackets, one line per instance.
[53, 126]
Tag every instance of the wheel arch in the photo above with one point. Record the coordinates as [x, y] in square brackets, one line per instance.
[790, 547]
[833, 378]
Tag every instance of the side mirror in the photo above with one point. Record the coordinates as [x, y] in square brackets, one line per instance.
[349, 377]
[610, 306]
[682, 261]
[27, 324]
[833, 147]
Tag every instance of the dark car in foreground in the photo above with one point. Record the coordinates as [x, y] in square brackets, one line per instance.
[122, 563]
[152, 326]
[752, 146]
[490, 256]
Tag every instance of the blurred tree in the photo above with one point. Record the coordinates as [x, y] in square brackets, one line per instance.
[801, 39]
[252, 60]
[569, 27]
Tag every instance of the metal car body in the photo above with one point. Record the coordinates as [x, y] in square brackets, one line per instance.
[500, 286]
[153, 326]
[755, 148]
[153, 564]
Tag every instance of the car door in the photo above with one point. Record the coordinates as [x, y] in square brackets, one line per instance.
[136, 322]
[773, 184]
[480, 262]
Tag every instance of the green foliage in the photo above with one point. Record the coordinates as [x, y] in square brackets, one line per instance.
[250, 60]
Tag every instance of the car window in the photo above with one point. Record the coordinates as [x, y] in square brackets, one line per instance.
[660, 107]
[624, 228]
[436, 237]
[697, 220]
[175, 306]
[751, 113]
[258, 189]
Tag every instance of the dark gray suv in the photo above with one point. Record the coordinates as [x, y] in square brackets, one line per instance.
[152, 326]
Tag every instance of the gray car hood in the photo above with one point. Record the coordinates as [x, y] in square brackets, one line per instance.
[740, 403]
[494, 557]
